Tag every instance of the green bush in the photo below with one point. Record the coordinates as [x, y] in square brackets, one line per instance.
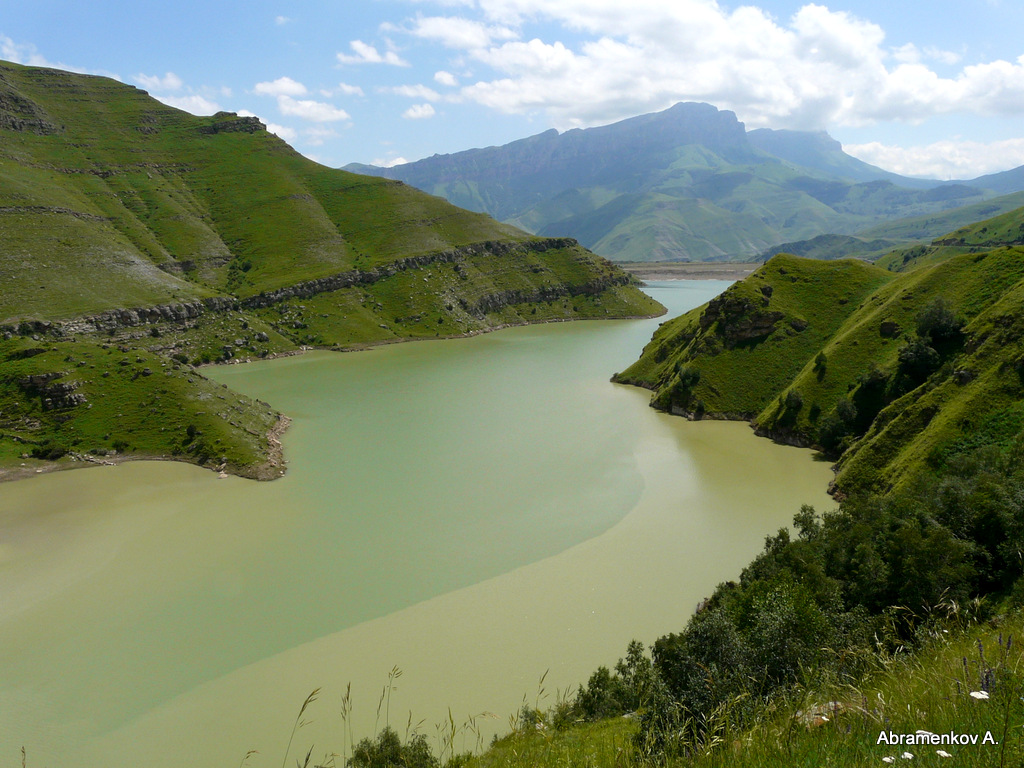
[387, 751]
[51, 450]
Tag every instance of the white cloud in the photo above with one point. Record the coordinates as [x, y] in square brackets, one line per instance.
[196, 104]
[281, 20]
[317, 111]
[945, 57]
[943, 159]
[818, 68]
[389, 162]
[350, 90]
[285, 89]
[419, 112]
[283, 86]
[415, 92]
[283, 132]
[364, 53]
[445, 78]
[460, 33]
[169, 82]
[21, 53]
[316, 137]
[28, 54]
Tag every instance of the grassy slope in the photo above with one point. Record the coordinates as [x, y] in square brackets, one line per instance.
[978, 386]
[748, 357]
[836, 725]
[146, 183]
[930, 226]
[135, 401]
[110, 200]
[909, 236]
[742, 369]
[833, 247]
[1004, 229]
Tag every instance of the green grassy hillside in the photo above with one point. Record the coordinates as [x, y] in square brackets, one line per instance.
[1004, 229]
[889, 373]
[833, 247]
[136, 237]
[929, 227]
[908, 236]
[736, 353]
[823, 722]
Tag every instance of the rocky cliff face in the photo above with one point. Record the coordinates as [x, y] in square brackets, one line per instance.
[182, 313]
[113, 319]
[739, 319]
[19, 113]
[371, 276]
[52, 393]
[229, 122]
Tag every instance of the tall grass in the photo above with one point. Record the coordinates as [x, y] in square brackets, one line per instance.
[966, 680]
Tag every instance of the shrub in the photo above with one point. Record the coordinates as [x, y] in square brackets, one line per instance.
[51, 450]
[387, 751]
[939, 325]
[916, 362]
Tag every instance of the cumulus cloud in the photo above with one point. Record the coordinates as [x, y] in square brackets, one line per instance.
[169, 82]
[307, 109]
[415, 92]
[283, 86]
[817, 68]
[28, 54]
[350, 90]
[946, 57]
[388, 162]
[281, 20]
[943, 159]
[419, 112]
[460, 33]
[285, 89]
[316, 137]
[194, 103]
[283, 132]
[21, 53]
[363, 53]
[445, 78]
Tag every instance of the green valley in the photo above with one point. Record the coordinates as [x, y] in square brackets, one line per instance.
[364, 491]
[138, 242]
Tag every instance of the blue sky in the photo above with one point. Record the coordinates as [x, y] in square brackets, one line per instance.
[924, 88]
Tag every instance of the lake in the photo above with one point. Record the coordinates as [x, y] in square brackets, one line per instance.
[476, 512]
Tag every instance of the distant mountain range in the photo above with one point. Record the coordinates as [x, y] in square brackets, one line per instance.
[690, 183]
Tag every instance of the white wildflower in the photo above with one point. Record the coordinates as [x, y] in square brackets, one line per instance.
[981, 695]
[907, 756]
[888, 759]
[942, 753]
